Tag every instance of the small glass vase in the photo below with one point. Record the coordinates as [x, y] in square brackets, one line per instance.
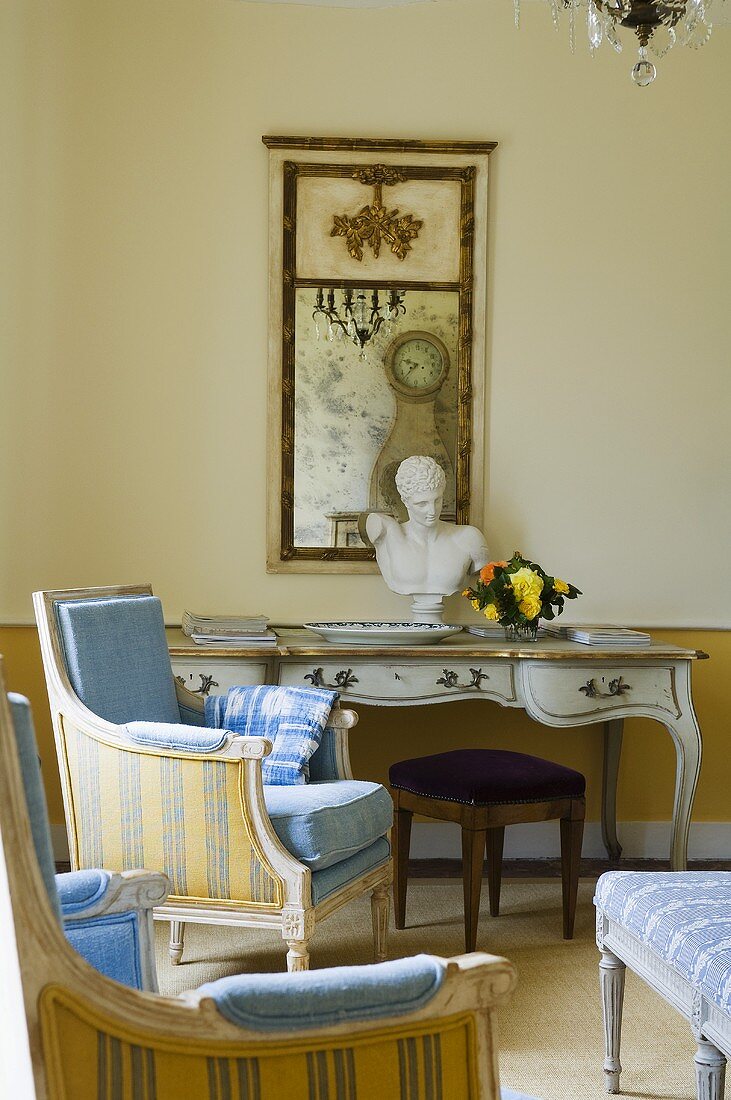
[521, 632]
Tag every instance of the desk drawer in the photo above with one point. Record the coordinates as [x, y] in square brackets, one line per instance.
[405, 681]
[581, 691]
[215, 677]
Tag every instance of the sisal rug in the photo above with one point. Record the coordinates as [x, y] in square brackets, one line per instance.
[551, 1040]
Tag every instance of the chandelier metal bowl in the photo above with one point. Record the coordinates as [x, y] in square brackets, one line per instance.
[356, 319]
[658, 25]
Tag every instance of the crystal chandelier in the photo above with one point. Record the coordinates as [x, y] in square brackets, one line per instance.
[356, 319]
[658, 24]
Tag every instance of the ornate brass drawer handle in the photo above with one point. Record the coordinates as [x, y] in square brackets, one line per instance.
[450, 678]
[343, 679]
[616, 687]
[207, 682]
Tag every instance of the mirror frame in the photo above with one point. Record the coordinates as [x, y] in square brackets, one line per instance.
[464, 162]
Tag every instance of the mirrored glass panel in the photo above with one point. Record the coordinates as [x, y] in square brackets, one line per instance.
[358, 412]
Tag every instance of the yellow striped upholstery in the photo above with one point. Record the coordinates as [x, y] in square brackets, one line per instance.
[89, 1057]
[179, 814]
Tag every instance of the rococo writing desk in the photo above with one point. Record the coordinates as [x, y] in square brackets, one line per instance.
[558, 683]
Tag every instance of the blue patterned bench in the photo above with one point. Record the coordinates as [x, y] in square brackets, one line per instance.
[673, 929]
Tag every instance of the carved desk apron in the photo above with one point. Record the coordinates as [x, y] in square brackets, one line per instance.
[556, 682]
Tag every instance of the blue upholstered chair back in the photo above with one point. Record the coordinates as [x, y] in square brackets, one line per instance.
[117, 657]
[35, 796]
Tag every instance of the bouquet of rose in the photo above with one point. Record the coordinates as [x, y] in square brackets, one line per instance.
[517, 593]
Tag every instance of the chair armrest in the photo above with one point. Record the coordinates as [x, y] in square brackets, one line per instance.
[176, 738]
[107, 919]
[304, 1000]
[95, 893]
[332, 758]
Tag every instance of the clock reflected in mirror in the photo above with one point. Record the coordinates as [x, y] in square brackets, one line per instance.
[356, 420]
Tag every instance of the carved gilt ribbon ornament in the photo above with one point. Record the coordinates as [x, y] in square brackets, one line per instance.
[374, 223]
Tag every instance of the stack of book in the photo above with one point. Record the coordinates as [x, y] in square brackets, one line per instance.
[599, 635]
[228, 630]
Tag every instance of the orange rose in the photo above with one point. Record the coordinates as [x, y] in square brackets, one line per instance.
[487, 573]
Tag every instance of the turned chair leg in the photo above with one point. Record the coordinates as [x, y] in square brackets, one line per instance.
[611, 977]
[175, 947]
[401, 845]
[572, 832]
[494, 852]
[380, 908]
[473, 851]
[298, 957]
[710, 1071]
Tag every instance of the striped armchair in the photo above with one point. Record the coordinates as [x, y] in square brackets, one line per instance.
[189, 800]
[414, 1029]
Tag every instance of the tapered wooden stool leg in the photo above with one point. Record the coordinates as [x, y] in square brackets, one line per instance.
[473, 850]
[572, 832]
[494, 852]
[401, 845]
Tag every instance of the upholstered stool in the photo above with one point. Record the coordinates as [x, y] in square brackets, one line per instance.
[485, 790]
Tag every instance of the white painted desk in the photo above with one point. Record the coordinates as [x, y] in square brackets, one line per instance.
[556, 682]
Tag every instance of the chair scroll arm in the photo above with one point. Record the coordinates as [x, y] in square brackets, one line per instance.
[100, 906]
[263, 1006]
[124, 891]
[340, 722]
[181, 740]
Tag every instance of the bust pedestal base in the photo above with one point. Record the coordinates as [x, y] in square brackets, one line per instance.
[427, 608]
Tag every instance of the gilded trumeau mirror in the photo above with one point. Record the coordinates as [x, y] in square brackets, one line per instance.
[377, 337]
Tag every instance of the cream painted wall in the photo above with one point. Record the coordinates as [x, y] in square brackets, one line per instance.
[134, 365]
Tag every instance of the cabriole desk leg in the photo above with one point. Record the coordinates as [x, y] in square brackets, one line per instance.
[612, 752]
[687, 737]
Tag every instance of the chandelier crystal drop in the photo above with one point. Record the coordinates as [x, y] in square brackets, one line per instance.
[360, 316]
[658, 24]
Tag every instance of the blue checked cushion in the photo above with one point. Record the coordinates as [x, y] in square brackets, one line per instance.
[683, 916]
[292, 718]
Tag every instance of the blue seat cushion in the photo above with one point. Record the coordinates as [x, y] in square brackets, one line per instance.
[340, 874]
[684, 917]
[117, 659]
[319, 998]
[324, 823]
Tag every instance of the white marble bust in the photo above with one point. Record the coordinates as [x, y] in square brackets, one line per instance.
[424, 557]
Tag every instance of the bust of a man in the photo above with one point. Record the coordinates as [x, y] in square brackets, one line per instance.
[424, 557]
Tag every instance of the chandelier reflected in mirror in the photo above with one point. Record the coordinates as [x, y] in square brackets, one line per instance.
[359, 315]
[658, 24]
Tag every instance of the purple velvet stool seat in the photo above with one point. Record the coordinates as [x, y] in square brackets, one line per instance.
[484, 790]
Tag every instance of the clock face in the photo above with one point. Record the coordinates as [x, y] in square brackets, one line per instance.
[418, 364]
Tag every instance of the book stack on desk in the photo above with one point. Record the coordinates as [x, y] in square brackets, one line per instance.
[599, 635]
[228, 630]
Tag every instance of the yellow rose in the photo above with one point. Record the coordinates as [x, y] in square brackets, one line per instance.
[466, 592]
[491, 612]
[475, 604]
[560, 586]
[530, 606]
[526, 583]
